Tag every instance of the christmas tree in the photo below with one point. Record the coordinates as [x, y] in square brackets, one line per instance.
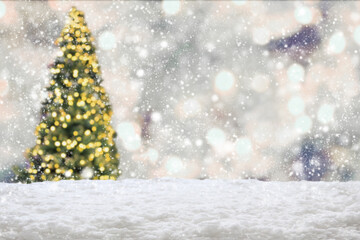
[74, 138]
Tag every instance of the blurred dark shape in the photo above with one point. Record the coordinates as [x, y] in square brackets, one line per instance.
[6, 175]
[325, 7]
[301, 44]
[40, 29]
[145, 131]
[315, 161]
[51, 65]
[262, 179]
[298, 45]
[346, 174]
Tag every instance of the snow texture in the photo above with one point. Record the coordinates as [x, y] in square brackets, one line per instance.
[180, 209]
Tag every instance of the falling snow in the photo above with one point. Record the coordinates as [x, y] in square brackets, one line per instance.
[201, 89]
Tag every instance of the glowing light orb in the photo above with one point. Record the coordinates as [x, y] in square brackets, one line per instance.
[133, 143]
[199, 142]
[87, 173]
[215, 137]
[4, 87]
[243, 146]
[296, 105]
[210, 47]
[356, 35]
[224, 81]
[125, 130]
[130, 138]
[325, 113]
[68, 173]
[152, 154]
[107, 41]
[191, 107]
[303, 124]
[303, 15]
[164, 44]
[260, 83]
[140, 73]
[143, 53]
[2, 9]
[214, 98]
[239, 2]
[337, 43]
[171, 7]
[261, 35]
[296, 73]
[156, 117]
[174, 165]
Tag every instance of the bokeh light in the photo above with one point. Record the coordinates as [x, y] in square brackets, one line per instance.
[140, 73]
[296, 73]
[243, 146]
[261, 35]
[356, 35]
[156, 116]
[303, 15]
[215, 137]
[87, 173]
[260, 83]
[107, 41]
[2, 9]
[239, 2]
[296, 105]
[191, 107]
[129, 135]
[224, 81]
[4, 87]
[153, 155]
[325, 113]
[337, 43]
[303, 124]
[174, 165]
[171, 7]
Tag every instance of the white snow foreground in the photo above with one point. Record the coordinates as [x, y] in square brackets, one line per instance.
[180, 209]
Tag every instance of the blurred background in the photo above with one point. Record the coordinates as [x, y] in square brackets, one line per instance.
[201, 89]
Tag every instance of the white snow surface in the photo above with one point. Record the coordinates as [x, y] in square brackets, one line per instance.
[180, 209]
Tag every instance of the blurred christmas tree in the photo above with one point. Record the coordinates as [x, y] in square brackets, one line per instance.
[74, 138]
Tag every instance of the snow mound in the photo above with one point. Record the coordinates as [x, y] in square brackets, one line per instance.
[180, 209]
